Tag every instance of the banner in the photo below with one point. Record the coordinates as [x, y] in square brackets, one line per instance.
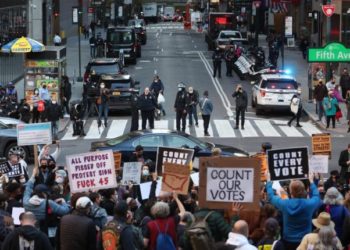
[319, 164]
[34, 134]
[16, 170]
[289, 163]
[321, 144]
[91, 171]
[132, 173]
[178, 156]
[5, 167]
[224, 180]
[176, 178]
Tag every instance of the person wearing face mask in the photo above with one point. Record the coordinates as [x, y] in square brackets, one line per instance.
[147, 103]
[46, 154]
[157, 88]
[331, 84]
[103, 104]
[229, 57]
[35, 100]
[330, 108]
[44, 93]
[182, 102]
[137, 156]
[54, 113]
[45, 175]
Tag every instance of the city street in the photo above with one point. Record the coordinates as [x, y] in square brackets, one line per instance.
[181, 56]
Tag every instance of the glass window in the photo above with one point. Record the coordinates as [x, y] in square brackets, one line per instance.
[179, 141]
[105, 68]
[120, 37]
[148, 141]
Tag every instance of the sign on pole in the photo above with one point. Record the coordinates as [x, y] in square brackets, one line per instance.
[34, 134]
[75, 13]
[181, 156]
[132, 173]
[321, 144]
[328, 9]
[332, 52]
[91, 171]
[288, 163]
[225, 180]
[176, 178]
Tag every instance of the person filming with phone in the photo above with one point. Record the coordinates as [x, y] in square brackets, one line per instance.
[241, 104]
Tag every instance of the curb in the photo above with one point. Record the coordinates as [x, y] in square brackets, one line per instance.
[314, 119]
[65, 122]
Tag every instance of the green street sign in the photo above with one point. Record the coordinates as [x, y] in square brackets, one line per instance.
[333, 52]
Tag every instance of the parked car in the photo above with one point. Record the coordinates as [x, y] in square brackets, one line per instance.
[152, 139]
[274, 91]
[228, 38]
[98, 66]
[10, 122]
[139, 26]
[8, 143]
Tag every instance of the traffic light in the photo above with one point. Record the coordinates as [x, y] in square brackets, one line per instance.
[56, 8]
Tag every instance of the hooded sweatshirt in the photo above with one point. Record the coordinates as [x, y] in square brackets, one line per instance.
[29, 234]
[239, 241]
[297, 213]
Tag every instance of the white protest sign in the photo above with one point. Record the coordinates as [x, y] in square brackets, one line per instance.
[146, 189]
[17, 170]
[132, 173]
[91, 171]
[16, 212]
[195, 179]
[318, 164]
[34, 133]
[230, 184]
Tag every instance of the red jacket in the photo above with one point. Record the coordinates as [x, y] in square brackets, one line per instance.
[153, 230]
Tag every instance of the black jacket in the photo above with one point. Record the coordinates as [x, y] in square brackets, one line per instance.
[344, 81]
[24, 111]
[147, 102]
[193, 98]
[320, 92]
[182, 100]
[241, 99]
[29, 233]
[217, 57]
[54, 112]
[156, 87]
[343, 158]
[67, 90]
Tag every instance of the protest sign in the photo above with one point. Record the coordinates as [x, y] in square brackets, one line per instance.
[34, 133]
[91, 171]
[16, 170]
[289, 163]
[176, 178]
[181, 156]
[195, 179]
[132, 173]
[16, 212]
[224, 180]
[146, 189]
[117, 160]
[319, 164]
[321, 144]
[5, 167]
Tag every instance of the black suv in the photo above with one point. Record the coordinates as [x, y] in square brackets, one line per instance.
[140, 29]
[123, 38]
[122, 87]
[97, 67]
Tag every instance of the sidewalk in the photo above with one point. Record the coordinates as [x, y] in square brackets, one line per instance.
[299, 67]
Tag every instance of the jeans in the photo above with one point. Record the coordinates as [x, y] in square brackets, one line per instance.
[103, 109]
[54, 129]
[192, 111]
[206, 119]
[319, 109]
[329, 117]
[240, 112]
[92, 51]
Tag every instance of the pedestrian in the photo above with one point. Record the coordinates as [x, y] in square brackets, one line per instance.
[337, 95]
[44, 93]
[319, 75]
[296, 108]
[304, 45]
[331, 84]
[34, 100]
[344, 163]
[193, 97]
[77, 230]
[156, 88]
[137, 156]
[54, 113]
[320, 92]
[217, 59]
[97, 213]
[27, 236]
[239, 236]
[271, 236]
[92, 42]
[15, 194]
[11, 92]
[103, 104]
[347, 102]
[241, 105]
[229, 56]
[330, 107]
[66, 93]
[148, 104]
[181, 105]
[297, 211]
[134, 112]
[45, 175]
[24, 111]
[332, 181]
[206, 107]
[57, 40]
[344, 82]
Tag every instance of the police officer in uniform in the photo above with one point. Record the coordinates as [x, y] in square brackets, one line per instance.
[182, 102]
[147, 103]
[217, 59]
[134, 112]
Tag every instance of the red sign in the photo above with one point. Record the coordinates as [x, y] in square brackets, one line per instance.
[91, 10]
[328, 9]
[256, 4]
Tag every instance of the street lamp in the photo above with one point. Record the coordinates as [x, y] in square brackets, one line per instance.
[79, 78]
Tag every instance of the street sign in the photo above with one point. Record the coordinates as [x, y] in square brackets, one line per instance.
[333, 52]
[328, 9]
[75, 17]
[33, 134]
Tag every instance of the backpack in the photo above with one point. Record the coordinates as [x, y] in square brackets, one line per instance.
[110, 235]
[164, 241]
[41, 106]
[199, 234]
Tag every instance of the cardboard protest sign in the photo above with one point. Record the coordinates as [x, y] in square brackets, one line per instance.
[319, 164]
[224, 180]
[117, 160]
[91, 171]
[176, 178]
[132, 173]
[5, 167]
[16, 170]
[321, 144]
[289, 163]
[179, 156]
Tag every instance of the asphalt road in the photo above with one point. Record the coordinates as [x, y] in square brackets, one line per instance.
[181, 56]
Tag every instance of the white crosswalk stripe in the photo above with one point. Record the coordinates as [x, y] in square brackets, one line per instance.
[218, 128]
[165, 26]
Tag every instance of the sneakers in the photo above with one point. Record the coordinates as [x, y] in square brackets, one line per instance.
[289, 124]
[298, 126]
[236, 127]
[206, 134]
[197, 124]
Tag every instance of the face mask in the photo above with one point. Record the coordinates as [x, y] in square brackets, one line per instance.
[44, 87]
[145, 172]
[43, 167]
[179, 89]
[155, 80]
[54, 102]
[102, 86]
[59, 180]
[36, 92]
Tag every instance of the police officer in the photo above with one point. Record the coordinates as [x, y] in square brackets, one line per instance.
[217, 59]
[229, 57]
[134, 112]
[181, 104]
[147, 103]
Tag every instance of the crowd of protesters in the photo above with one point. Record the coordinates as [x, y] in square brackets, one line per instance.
[300, 214]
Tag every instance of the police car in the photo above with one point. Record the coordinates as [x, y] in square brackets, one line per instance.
[274, 91]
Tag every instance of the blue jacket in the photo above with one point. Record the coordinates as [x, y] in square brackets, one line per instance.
[206, 106]
[297, 213]
[338, 215]
[37, 205]
[329, 106]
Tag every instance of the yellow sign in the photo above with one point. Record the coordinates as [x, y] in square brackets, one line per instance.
[22, 45]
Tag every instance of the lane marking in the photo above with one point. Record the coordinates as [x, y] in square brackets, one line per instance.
[200, 129]
[224, 128]
[116, 128]
[266, 128]
[248, 130]
[309, 128]
[94, 132]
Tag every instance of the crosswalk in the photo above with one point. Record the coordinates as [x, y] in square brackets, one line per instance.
[165, 26]
[218, 128]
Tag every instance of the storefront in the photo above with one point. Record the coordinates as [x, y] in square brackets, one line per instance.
[13, 19]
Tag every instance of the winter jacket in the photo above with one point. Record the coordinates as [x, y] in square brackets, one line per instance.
[67, 90]
[54, 112]
[320, 92]
[206, 106]
[24, 111]
[241, 99]
[217, 57]
[310, 241]
[4, 229]
[342, 162]
[329, 106]
[344, 81]
[297, 213]
[29, 233]
[239, 241]
[37, 205]
[193, 98]
[99, 215]
[147, 102]
[337, 95]
[181, 101]
[338, 214]
[156, 87]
